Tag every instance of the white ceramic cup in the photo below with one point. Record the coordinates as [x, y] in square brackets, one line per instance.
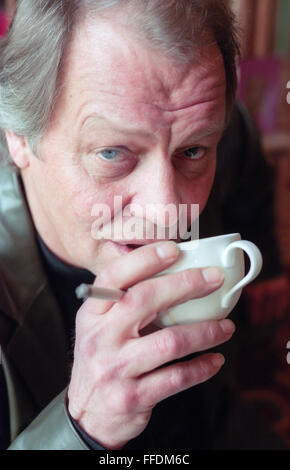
[225, 251]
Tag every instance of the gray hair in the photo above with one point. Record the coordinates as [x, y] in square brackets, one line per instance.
[31, 54]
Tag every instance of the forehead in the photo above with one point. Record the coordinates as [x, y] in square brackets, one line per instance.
[106, 65]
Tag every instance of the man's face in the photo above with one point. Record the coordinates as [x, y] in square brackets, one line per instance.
[127, 123]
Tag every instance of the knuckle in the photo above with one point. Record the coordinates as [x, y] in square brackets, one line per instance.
[205, 369]
[208, 333]
[192, 280]
[212, 331]
[186, 278]
[112, 367]
[103, 375]
[104, 371]
[127, 400]
[123, 368]
[148, 256]
[140, 294]
[178, 378]
[169, 343]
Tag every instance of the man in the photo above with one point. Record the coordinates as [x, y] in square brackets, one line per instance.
[102, 99]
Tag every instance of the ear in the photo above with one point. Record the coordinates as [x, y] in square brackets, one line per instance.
[19, 149]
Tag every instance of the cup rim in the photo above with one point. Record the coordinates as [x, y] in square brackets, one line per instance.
[185, 245]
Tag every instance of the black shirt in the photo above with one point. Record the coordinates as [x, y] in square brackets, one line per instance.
[64, 279]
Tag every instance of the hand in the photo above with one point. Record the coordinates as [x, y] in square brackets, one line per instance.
[116, 380]
[267, 300]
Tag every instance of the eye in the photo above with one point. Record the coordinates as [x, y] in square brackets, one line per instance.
[194, 153]
[110, 154]
[110, 162]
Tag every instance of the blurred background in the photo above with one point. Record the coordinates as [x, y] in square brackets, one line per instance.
[264, 86]
[262, 370]
[264, 89]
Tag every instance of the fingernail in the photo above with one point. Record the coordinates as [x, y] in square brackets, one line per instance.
[213, 275]
[168, 250]
[218, 360]
[227, 326]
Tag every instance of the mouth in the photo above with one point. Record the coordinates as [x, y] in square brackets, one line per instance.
[124, 248]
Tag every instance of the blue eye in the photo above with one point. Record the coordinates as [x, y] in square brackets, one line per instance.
[109, 154]
[195, 153]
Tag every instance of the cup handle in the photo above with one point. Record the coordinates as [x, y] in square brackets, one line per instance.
[256, 265]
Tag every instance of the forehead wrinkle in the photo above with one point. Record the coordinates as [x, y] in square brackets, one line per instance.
[166, 92]
[157, 110]
[184, 107]
[208, 129]
[94, 118]
[166, 84]
[169, 87]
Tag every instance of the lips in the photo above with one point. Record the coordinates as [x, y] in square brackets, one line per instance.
[122, 247]
[136, 243]
[126, 246]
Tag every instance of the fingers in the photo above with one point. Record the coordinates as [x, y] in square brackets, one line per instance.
[132, 268]
[138, 265]
[163, 383]
[152, 351]
[144, 300]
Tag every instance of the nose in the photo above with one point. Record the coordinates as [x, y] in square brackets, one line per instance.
[156, 195]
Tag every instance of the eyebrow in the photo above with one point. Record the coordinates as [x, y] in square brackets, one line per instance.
[117, 127]
[211, 129]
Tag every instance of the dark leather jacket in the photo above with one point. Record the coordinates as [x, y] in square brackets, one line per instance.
[33, 353]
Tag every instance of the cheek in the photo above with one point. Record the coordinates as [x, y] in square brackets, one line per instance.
[93, 194]
[89, 203]
[71, 198]
[79, 195]
[81, 202]
[69, 192]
